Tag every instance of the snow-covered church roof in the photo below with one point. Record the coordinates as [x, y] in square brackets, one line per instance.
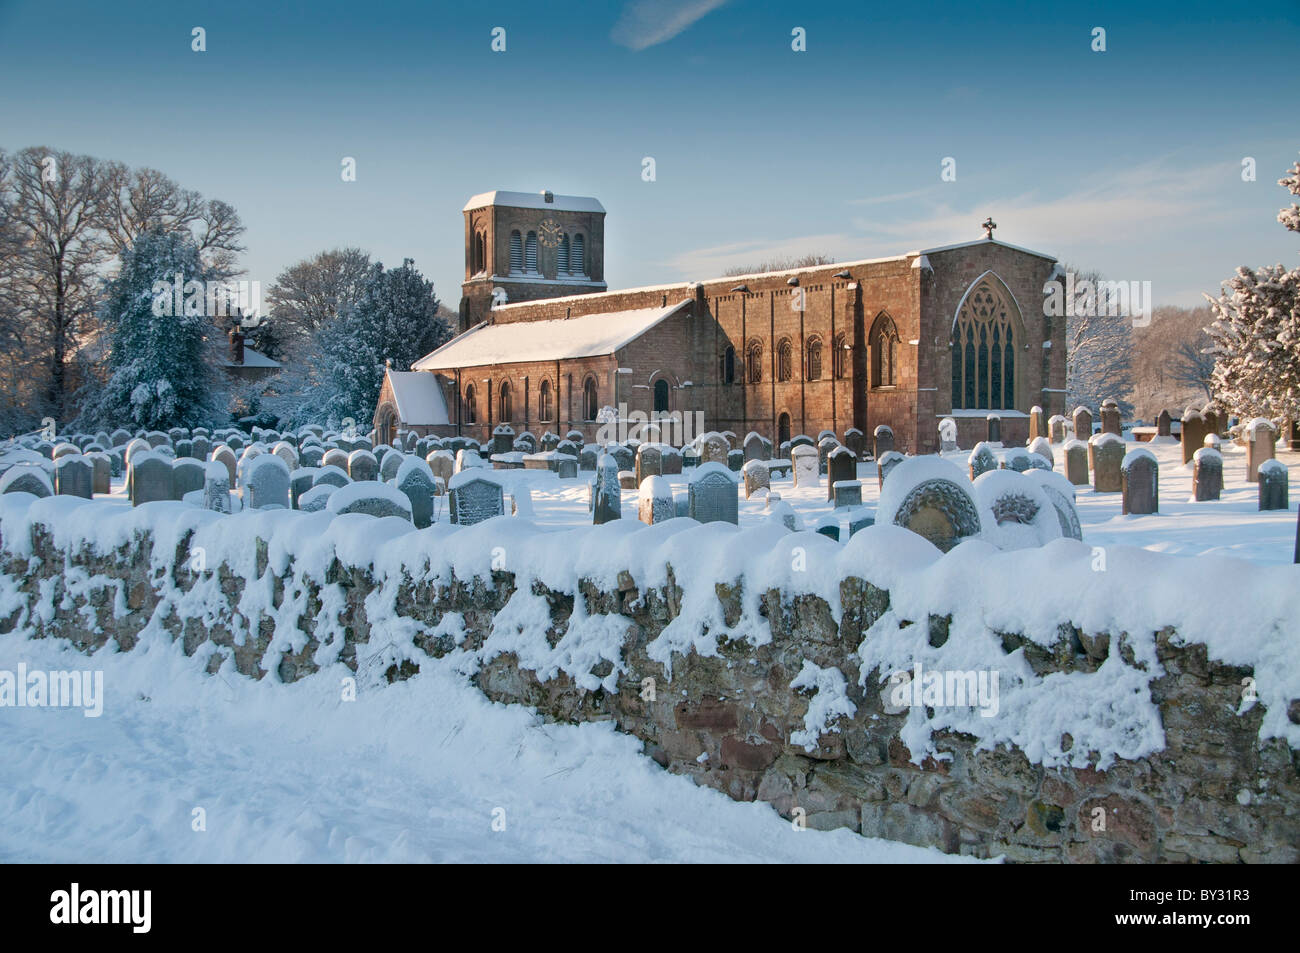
[418, 397]
[590, 335]
[562, 203]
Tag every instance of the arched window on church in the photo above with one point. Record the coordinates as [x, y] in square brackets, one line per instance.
[754, 362]
[506, 409]
[729, 365]
[985, 333]
[471, 409]
[884, 352]
[516, 253]
[477, 263]
[589, 407]
[813, 351]
[784, 360]
[839, 355]
[661, 396]
[577, 256]
[562, 256]
[530, 254]
[545, 402]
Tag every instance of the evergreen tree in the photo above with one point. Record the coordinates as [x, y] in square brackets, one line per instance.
[160, 367]
[1255, 337]
[395, 321]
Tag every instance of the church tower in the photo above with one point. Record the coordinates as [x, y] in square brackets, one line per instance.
[524, 246]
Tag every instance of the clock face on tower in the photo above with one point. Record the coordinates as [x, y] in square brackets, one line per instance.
[550, 233]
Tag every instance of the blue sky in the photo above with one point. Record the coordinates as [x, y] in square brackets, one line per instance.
[1128, 161]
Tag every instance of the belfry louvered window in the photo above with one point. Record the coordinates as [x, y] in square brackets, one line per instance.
[562, 256]
[577, 256]
[983, 347]
[516, 253]
[530, 254]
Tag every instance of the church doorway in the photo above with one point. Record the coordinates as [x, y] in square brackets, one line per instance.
[661, 396]
[782, 429]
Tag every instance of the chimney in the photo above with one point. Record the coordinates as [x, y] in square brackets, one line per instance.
[237, 345]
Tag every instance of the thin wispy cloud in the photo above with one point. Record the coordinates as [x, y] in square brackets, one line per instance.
[645, 23]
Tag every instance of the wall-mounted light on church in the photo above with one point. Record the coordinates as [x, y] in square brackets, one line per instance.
[624, 370]
[744, 288]
[793, 281]
[914, 342]
[842, 274]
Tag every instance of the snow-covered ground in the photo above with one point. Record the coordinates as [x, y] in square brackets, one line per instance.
[417, 771]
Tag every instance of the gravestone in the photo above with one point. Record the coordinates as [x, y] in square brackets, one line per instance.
[566, 468]
[1164, 424]
[576, 436]
[993, 427]
[549, 441]
[188, 475]
[102, 478]
[475, 497]
[753, 447]
[151, 478]
[1060, 493]
[756, 476]
[1110, 421]
[74, 475]
[1261, 437]
[824, 447]
[607, 502]
[1018, 459]
[1037, 423]
[714, 448]
[568, 447]
[671, 460]
[1273, 485]
[712, 494]
[981, 460]
[415, 482]
[883, 440]
[363, 466]
[841, 465]
[622, 455]
[331, 475]
[649, 462]
[216, 487]
[804, 459]
[828, 526]
[847, 493]
[1076, 462]
[948, 436]
[587, 458]
[1108, 459]
[391, 463]
[1194, 431]
[334, 457]
[1140, 482]
[1042, 447]
[266, 483]
[1082, 423]
[1056, 428]
[285, 451]
[943, 511]
[300, 481]
[735, 460]
[1216, 418]
[26, 478]
[1213, 441]
[503, 438]
[655, 500]
[226, 457]
[185, 447]
[854, 439]
[371, 498]
[1207, 474]
[442, 463]
[885, 464]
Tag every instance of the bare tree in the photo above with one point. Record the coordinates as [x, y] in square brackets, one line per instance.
[311, 295]
[1098, 343]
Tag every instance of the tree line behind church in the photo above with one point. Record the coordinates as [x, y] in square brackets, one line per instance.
[84, 243]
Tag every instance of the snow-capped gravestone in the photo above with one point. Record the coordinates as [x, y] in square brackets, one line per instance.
[151, 478]
[1207, 474]
[1140, 481]
[885, 465]
[854, 439]
[1076, 461]
[503, 438]
[334, 457]
[120, 437]
[713, 494]
[883, 440]
[246, 458]
[363, 466]
[1216, 418]
[804, 459]
[26, 478]
[1108, 460]
[1042, 447]
[981, 460]
[1110, 422]
[847, 493]
[756, 447]
[442, 463]
[948, 435]
[330, 475]
[1017, 459]
[1213, 441]
[1082, 418]
[64, 450]
[825, 445]
[649, 462]
[216, 487]
[185, 447]
[199, 448]
[587, 458]
[993, 430]
[1037, 423]
[414, 480]
[549, 441]
[1261, 437]
[391, 463]
[1023, 516]
[1273, 480]
[316, 499]
[756, 476]
[566, 468]
[1060, 493]
[266, 483]
[1194, 431]
[157, 438]
[188, 475]
[655, 500]
[931, 497]
[300, 481]
[607, 493]
[102, 478]
[285, 451]
[475, 497]
[714, 448]
[841, 465]
[371, 498]
[1164, 424]
[74, 475]
[1056, 428]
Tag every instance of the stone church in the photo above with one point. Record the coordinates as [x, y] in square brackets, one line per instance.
[957, 330]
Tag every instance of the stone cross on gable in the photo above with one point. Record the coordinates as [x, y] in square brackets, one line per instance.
[988, 227]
